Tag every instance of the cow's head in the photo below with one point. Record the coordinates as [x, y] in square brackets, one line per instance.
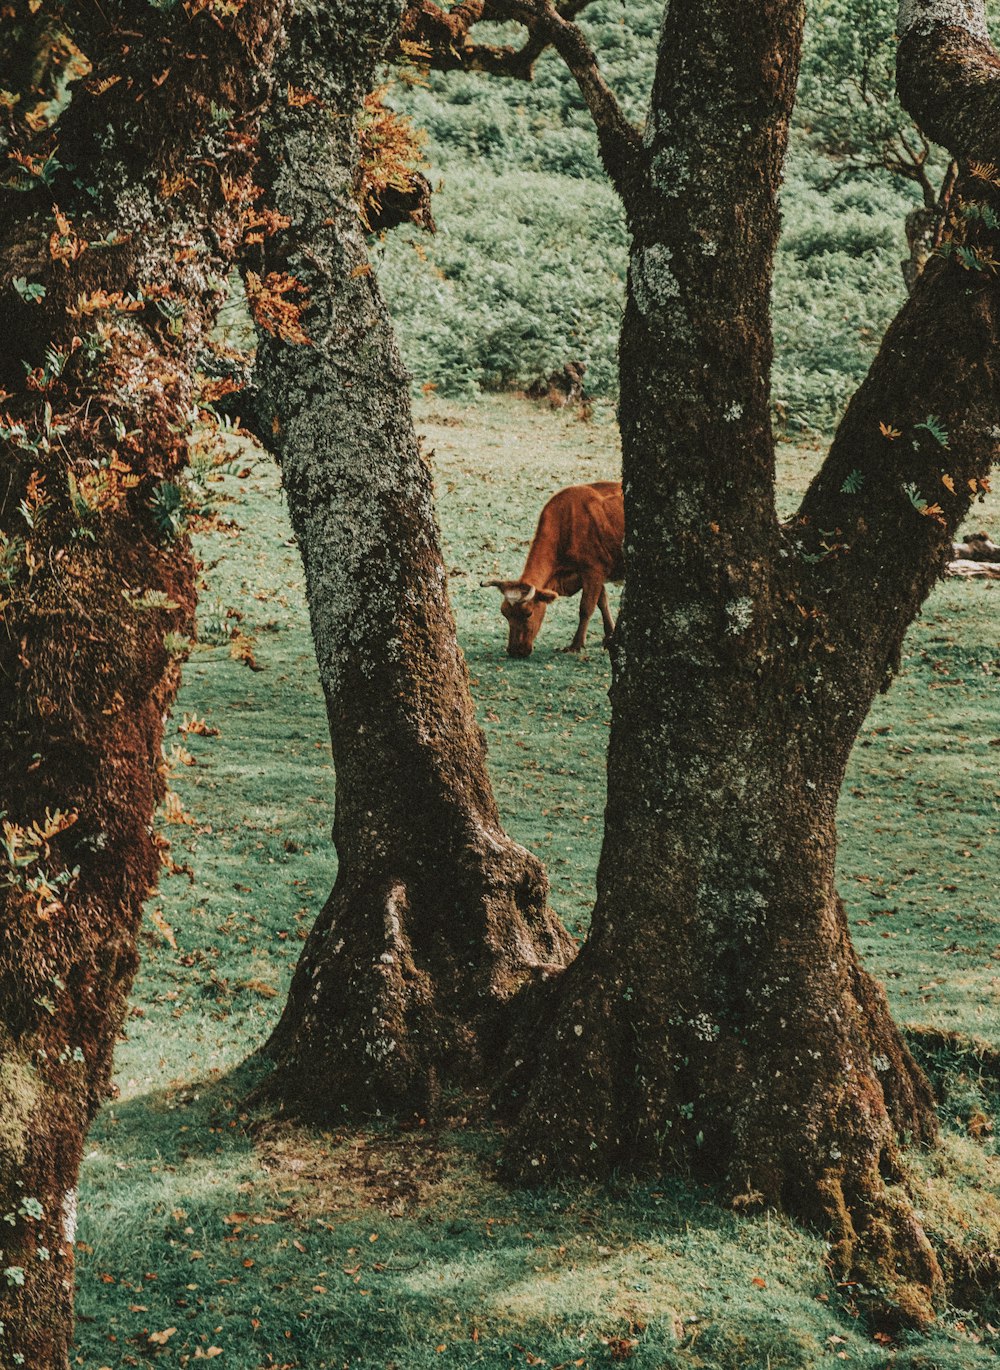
[523, 606]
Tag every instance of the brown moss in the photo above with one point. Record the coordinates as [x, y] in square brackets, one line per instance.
[93, 582]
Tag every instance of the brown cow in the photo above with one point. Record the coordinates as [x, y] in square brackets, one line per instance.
[577, 547]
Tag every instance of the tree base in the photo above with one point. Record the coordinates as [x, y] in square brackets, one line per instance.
[401, 990]
[803, 1113]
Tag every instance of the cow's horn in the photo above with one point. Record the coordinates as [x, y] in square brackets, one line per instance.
[485, 583]
[530, 594]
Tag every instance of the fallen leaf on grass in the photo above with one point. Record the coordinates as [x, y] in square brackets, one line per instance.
[260, 987]
[163, 928]
[198, 726]
[161, 1338]
[241, 649]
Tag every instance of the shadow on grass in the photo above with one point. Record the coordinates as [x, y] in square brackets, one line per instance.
[385, 1248]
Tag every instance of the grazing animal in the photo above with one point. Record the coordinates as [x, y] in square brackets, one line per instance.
[577, 547]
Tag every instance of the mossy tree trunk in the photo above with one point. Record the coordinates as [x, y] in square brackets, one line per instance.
[107, 299]
[717, 1018]
[437, 917]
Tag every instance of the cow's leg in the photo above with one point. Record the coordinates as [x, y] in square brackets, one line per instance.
[605, 608]
[591, 593]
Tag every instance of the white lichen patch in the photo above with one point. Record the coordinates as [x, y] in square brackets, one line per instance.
[734, 412]
[668, 169]
[739, 613]
[920, 16]
[69, 1217]
[653, 281]
[379, 1049]
[704, 1029]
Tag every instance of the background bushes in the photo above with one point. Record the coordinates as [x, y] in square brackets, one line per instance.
[527, 269]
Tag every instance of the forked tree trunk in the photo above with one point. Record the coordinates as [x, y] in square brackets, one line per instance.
[717, 1017]
[92, 582]
[437, 917]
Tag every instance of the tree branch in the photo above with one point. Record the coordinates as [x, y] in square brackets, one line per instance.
[948, 75]
[917, 442]
[620, 142]
[444, 35]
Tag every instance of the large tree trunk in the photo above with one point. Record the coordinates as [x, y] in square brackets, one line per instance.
[93, 580]
[718, 1018]
[437, 917]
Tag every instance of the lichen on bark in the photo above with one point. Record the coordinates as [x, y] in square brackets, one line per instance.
[437, 918]
[717, 1018]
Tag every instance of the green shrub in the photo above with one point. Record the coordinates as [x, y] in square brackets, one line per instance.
[515, 283]
[527, 270]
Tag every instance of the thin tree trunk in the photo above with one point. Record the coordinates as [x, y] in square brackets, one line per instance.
[926, 225]
[437, 917]
[108, 299]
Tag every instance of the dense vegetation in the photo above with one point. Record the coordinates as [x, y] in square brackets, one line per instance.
[527, 269]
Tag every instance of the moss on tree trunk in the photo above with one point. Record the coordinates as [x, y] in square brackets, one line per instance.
[108, 297]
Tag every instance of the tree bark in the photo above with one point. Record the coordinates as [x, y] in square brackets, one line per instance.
[107, 298]
[437, 918]
[718, 1018]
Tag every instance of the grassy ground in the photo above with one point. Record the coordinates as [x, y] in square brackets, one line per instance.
[377, 1250]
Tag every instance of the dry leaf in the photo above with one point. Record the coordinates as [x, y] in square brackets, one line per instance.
[260, 987]
[163, 928]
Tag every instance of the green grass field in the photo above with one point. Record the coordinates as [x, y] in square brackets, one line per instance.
[203, 1241]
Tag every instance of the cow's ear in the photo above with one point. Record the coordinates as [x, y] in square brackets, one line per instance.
[513, 591]
[546, 596]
